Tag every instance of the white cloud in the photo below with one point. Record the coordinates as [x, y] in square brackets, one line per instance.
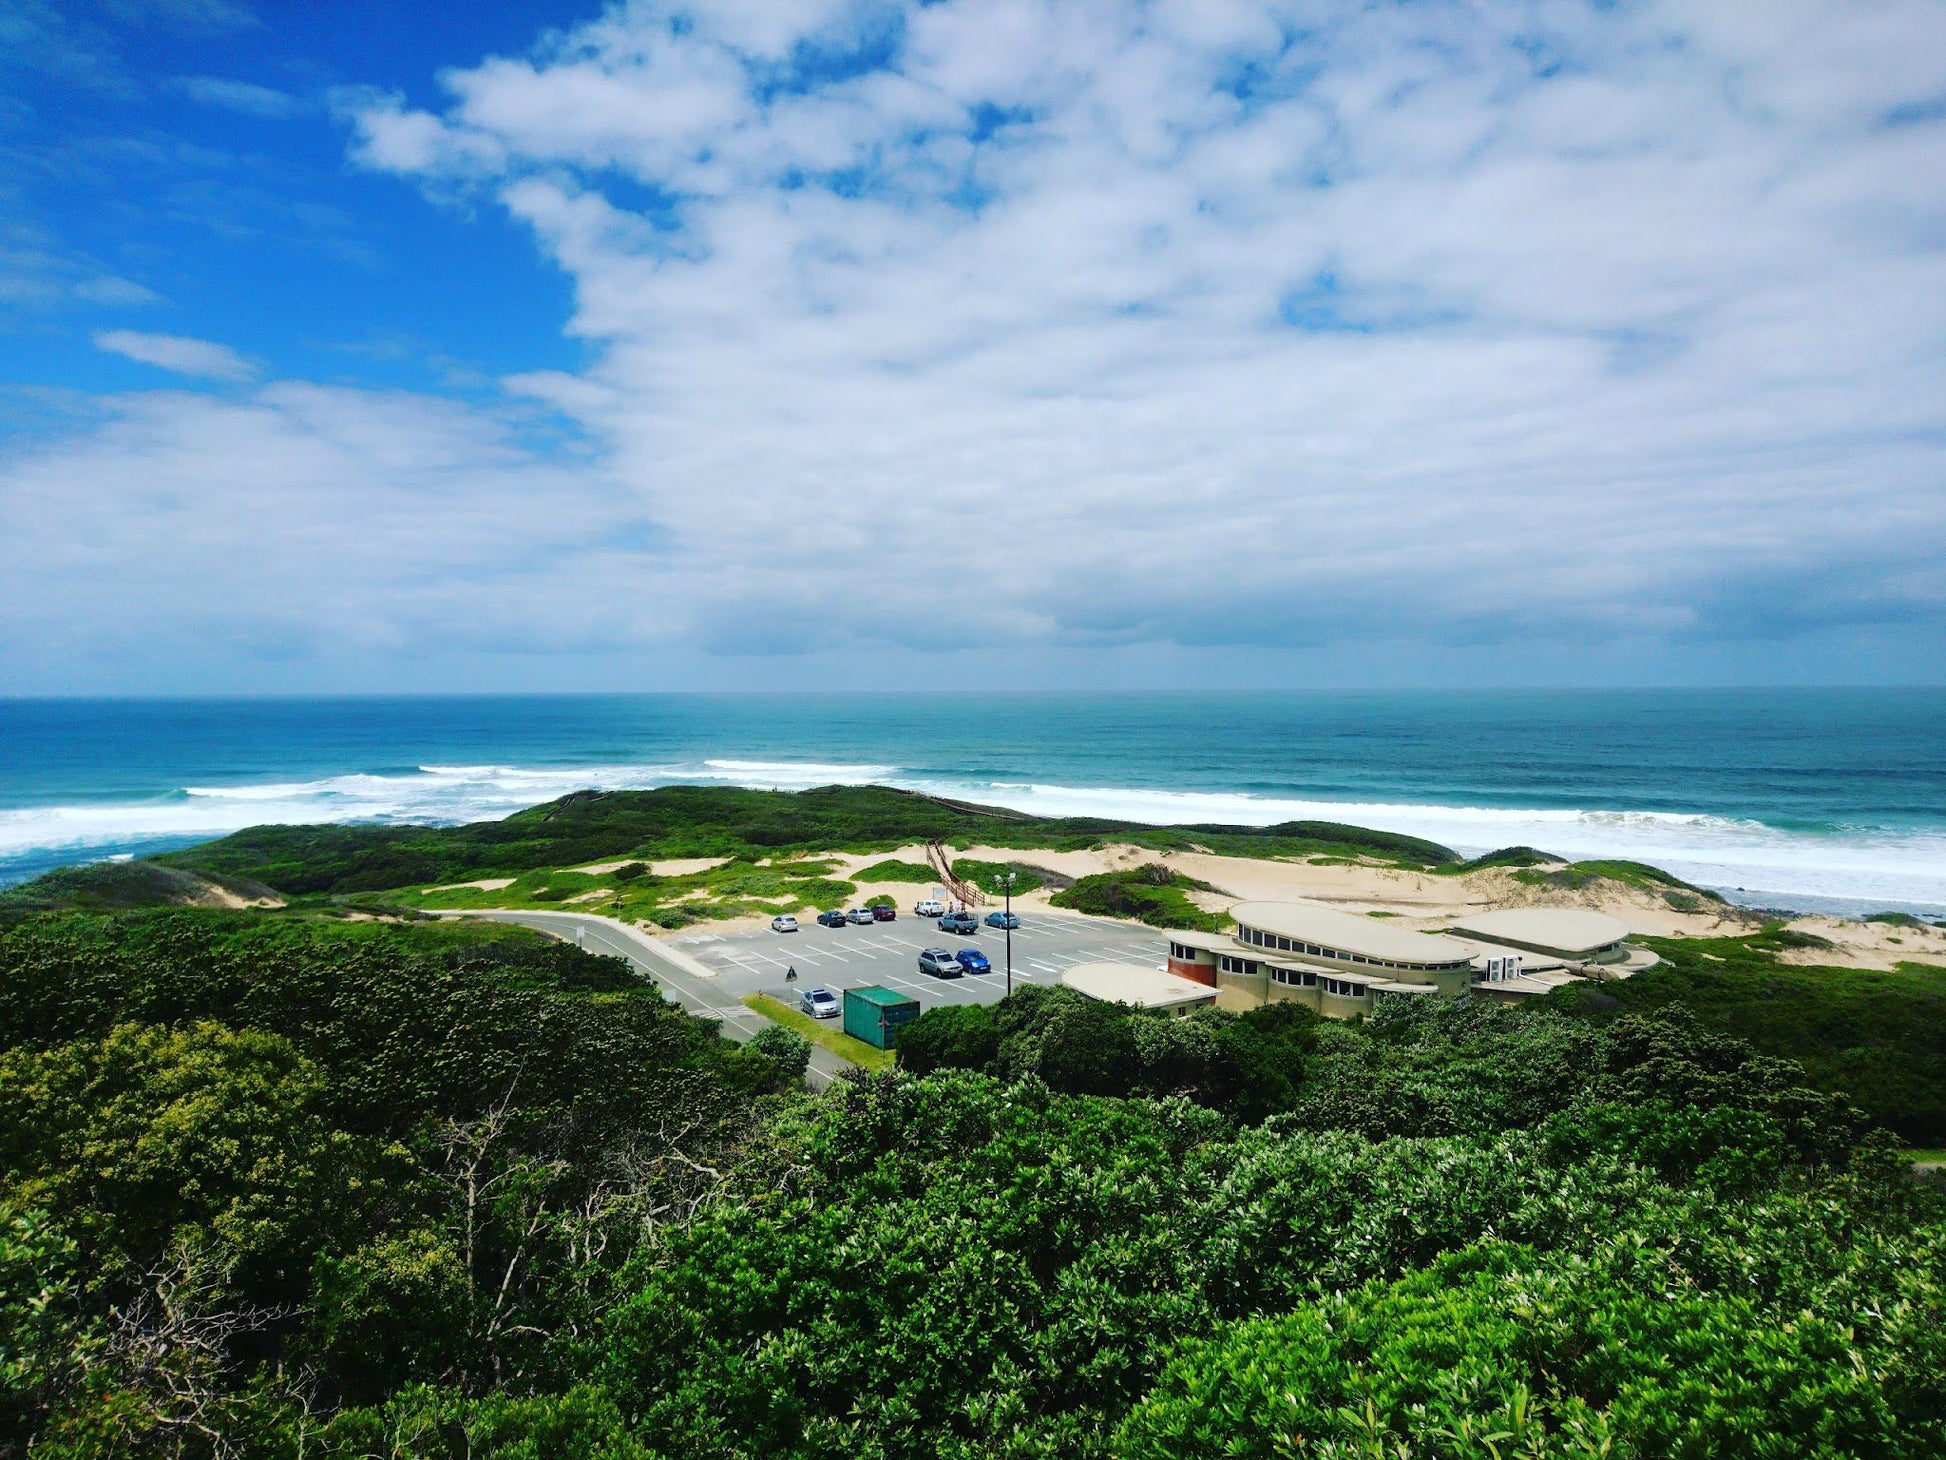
[1208, 324]
[178, 354]
[239, 96]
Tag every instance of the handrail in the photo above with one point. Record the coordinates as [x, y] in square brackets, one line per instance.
[964, 892]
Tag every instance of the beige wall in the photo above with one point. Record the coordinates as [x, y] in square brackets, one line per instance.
[1238, 992]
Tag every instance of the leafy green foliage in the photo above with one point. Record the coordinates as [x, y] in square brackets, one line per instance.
[1499, 1351]
[1877, 1038]
[1151, 894]
[784, 1048]
[424, 1190]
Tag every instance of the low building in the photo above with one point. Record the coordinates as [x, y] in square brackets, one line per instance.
[1337, 963]
[1145, 988]
[1569, 935]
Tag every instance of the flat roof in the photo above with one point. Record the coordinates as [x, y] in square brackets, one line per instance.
[1132, 983]
[1558, 929]
[880, 995]
[1328, 928]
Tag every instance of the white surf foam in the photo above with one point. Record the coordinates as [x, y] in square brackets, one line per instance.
[1756, 862]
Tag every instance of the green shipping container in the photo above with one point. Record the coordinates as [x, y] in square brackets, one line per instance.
[876, 1015]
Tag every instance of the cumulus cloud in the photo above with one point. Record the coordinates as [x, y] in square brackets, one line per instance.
[1210, 323]
[177, 354]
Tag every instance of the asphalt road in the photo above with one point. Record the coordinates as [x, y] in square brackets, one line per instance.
[701, 996]
[709, 973]
[888, 954]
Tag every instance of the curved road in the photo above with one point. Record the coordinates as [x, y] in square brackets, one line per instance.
[689, 987]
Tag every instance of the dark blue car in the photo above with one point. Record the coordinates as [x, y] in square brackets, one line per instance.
[831, 919]
[972, 960]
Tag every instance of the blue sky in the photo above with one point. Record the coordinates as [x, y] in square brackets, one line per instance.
[547, 346]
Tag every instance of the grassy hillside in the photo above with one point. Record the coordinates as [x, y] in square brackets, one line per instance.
[693, 821]
[1878, 1039]
[107, 885]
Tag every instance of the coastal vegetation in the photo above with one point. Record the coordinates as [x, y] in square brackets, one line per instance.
[1151, 894]
[683, 822]
[1876, 1037]
[278, 1184]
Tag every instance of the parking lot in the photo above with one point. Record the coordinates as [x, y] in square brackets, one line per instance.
[888, 954]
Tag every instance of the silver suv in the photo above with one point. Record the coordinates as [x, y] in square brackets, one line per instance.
[939, 963]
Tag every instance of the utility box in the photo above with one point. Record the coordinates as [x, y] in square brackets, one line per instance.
[876, 1015]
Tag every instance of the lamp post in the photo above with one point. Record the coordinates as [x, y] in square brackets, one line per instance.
[1009, 885]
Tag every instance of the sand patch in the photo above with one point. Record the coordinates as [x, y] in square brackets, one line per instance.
[485, 884]
[1866, 945]
[595, 896]
[675, 867]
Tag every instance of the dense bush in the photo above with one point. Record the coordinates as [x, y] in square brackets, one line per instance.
[1877, 1038]
[292, 1189]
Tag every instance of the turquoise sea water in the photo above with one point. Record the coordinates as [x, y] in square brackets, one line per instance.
[1816, 799]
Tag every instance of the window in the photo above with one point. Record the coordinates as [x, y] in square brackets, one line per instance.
[1310, 979]
[1284, 945]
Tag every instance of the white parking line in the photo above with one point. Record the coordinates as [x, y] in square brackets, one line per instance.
[1043, 967]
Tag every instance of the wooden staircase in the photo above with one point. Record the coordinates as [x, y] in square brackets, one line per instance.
[964, 892]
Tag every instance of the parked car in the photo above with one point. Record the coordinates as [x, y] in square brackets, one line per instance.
[859, 915]
[960, 923]
[831, 919]
[884, 912]
[819, 1003]
[939, 963]
[1003, 920]
[972, 960]
[929, 907]
[783, 923]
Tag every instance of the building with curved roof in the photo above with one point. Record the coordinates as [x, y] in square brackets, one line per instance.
[1335, 962]
[1573, 934]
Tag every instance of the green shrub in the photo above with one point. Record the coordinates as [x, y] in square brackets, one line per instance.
[1152, 895]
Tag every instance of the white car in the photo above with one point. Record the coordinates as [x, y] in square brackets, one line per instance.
[859, 915]
[783, 923]
[931, 907]
[819, 1003]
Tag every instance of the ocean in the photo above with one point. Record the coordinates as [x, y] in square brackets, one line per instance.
[1810, 799]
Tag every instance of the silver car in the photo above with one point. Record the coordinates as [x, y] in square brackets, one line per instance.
[939, 963]
[783, 923]
[859, 915]
[819, 1003]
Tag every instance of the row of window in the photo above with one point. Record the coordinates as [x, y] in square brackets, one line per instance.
[1297, 978]
[1182, 951]
[1313, 950]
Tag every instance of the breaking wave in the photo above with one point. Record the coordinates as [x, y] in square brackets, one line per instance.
[1754, 862]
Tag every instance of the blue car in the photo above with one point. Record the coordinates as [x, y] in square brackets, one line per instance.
[972, 960]
[1003, 920]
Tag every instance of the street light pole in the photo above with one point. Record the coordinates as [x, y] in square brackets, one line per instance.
[1010, 933]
